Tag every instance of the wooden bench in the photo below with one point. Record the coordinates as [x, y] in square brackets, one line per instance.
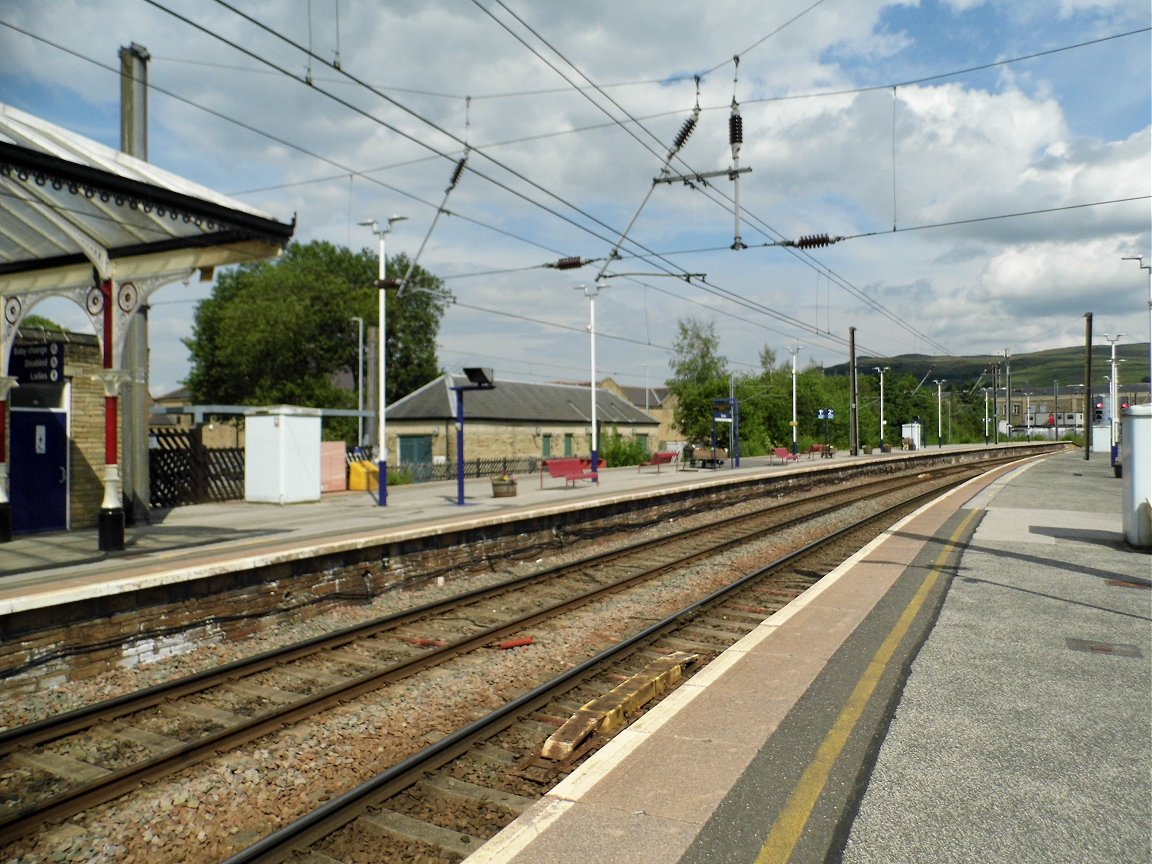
[784, 454]
[822, 450]
[568, 470]
[658, 459]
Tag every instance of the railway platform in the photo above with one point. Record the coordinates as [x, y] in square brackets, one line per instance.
[42, 570]
[973, 686]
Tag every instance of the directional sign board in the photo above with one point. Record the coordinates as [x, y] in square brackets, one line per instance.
[42, 363]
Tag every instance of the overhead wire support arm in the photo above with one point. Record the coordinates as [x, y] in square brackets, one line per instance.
[735, 140]
[687, 277]
[677, 144]
[440, 211]
[700, 177]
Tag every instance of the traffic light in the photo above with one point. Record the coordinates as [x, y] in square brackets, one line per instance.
[1098, 414]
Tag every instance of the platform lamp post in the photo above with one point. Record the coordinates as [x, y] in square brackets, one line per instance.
[382, 336]
[1113, 384]
[590, 291]
[939, 413]
[880, 371]
[794, 350]
[985, 389]
[478, 379]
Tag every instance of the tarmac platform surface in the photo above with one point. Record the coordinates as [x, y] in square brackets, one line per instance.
[1020, 734]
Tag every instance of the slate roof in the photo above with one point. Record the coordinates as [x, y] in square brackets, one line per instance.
[517, 402]
[637, 395]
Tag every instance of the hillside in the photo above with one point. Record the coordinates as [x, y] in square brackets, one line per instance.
[1039, 369]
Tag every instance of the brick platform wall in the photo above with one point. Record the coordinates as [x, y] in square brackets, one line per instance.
[86, 417]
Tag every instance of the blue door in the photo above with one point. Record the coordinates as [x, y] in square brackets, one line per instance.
[38, 470]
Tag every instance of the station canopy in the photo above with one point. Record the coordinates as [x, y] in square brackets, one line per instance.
[71, 207]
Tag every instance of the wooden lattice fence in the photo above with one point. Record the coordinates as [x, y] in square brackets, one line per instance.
[184, 471]
[429, 472]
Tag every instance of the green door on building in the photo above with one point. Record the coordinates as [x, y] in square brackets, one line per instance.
[416, 455]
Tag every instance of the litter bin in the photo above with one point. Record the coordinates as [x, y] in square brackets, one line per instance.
[363, 476]
[1136, 459]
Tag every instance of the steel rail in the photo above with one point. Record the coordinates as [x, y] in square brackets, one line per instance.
[20, 823]
[338, 812]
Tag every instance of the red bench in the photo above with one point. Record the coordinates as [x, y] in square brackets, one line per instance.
[568, 470]
[821, 450]
[658, 459]
[784, 454]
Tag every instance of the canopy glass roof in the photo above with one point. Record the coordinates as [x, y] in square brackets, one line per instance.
[69, 205]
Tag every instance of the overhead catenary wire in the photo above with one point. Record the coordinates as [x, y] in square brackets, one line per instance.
[914, 228]
[345, 170]
[456, 173]
[648, 255]
[768, 35]
[615, 250]
[592, 219]
[737, 242]
[621, 237]
[671, 79]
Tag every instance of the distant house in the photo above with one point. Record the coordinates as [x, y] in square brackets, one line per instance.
[175, 399]
[174, 412]
[657, 402]
[513, 419]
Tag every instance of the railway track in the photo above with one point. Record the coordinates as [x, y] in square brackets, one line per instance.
[60, 767]
[442, 803]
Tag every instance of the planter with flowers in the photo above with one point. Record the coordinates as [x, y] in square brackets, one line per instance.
[504, 486]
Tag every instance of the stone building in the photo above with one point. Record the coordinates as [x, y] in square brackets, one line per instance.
[657, 402]
[513, 419]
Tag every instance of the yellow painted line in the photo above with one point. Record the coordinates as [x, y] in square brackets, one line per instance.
[790, 825]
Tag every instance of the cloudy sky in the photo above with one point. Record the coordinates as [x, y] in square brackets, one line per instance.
[987, 163]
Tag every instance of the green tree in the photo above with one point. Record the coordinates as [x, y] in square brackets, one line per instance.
[699, 376]
[280, 332]
[766, 406]
[616, 450]
[42, 323]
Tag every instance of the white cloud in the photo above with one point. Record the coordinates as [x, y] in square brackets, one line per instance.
[1029, 137]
